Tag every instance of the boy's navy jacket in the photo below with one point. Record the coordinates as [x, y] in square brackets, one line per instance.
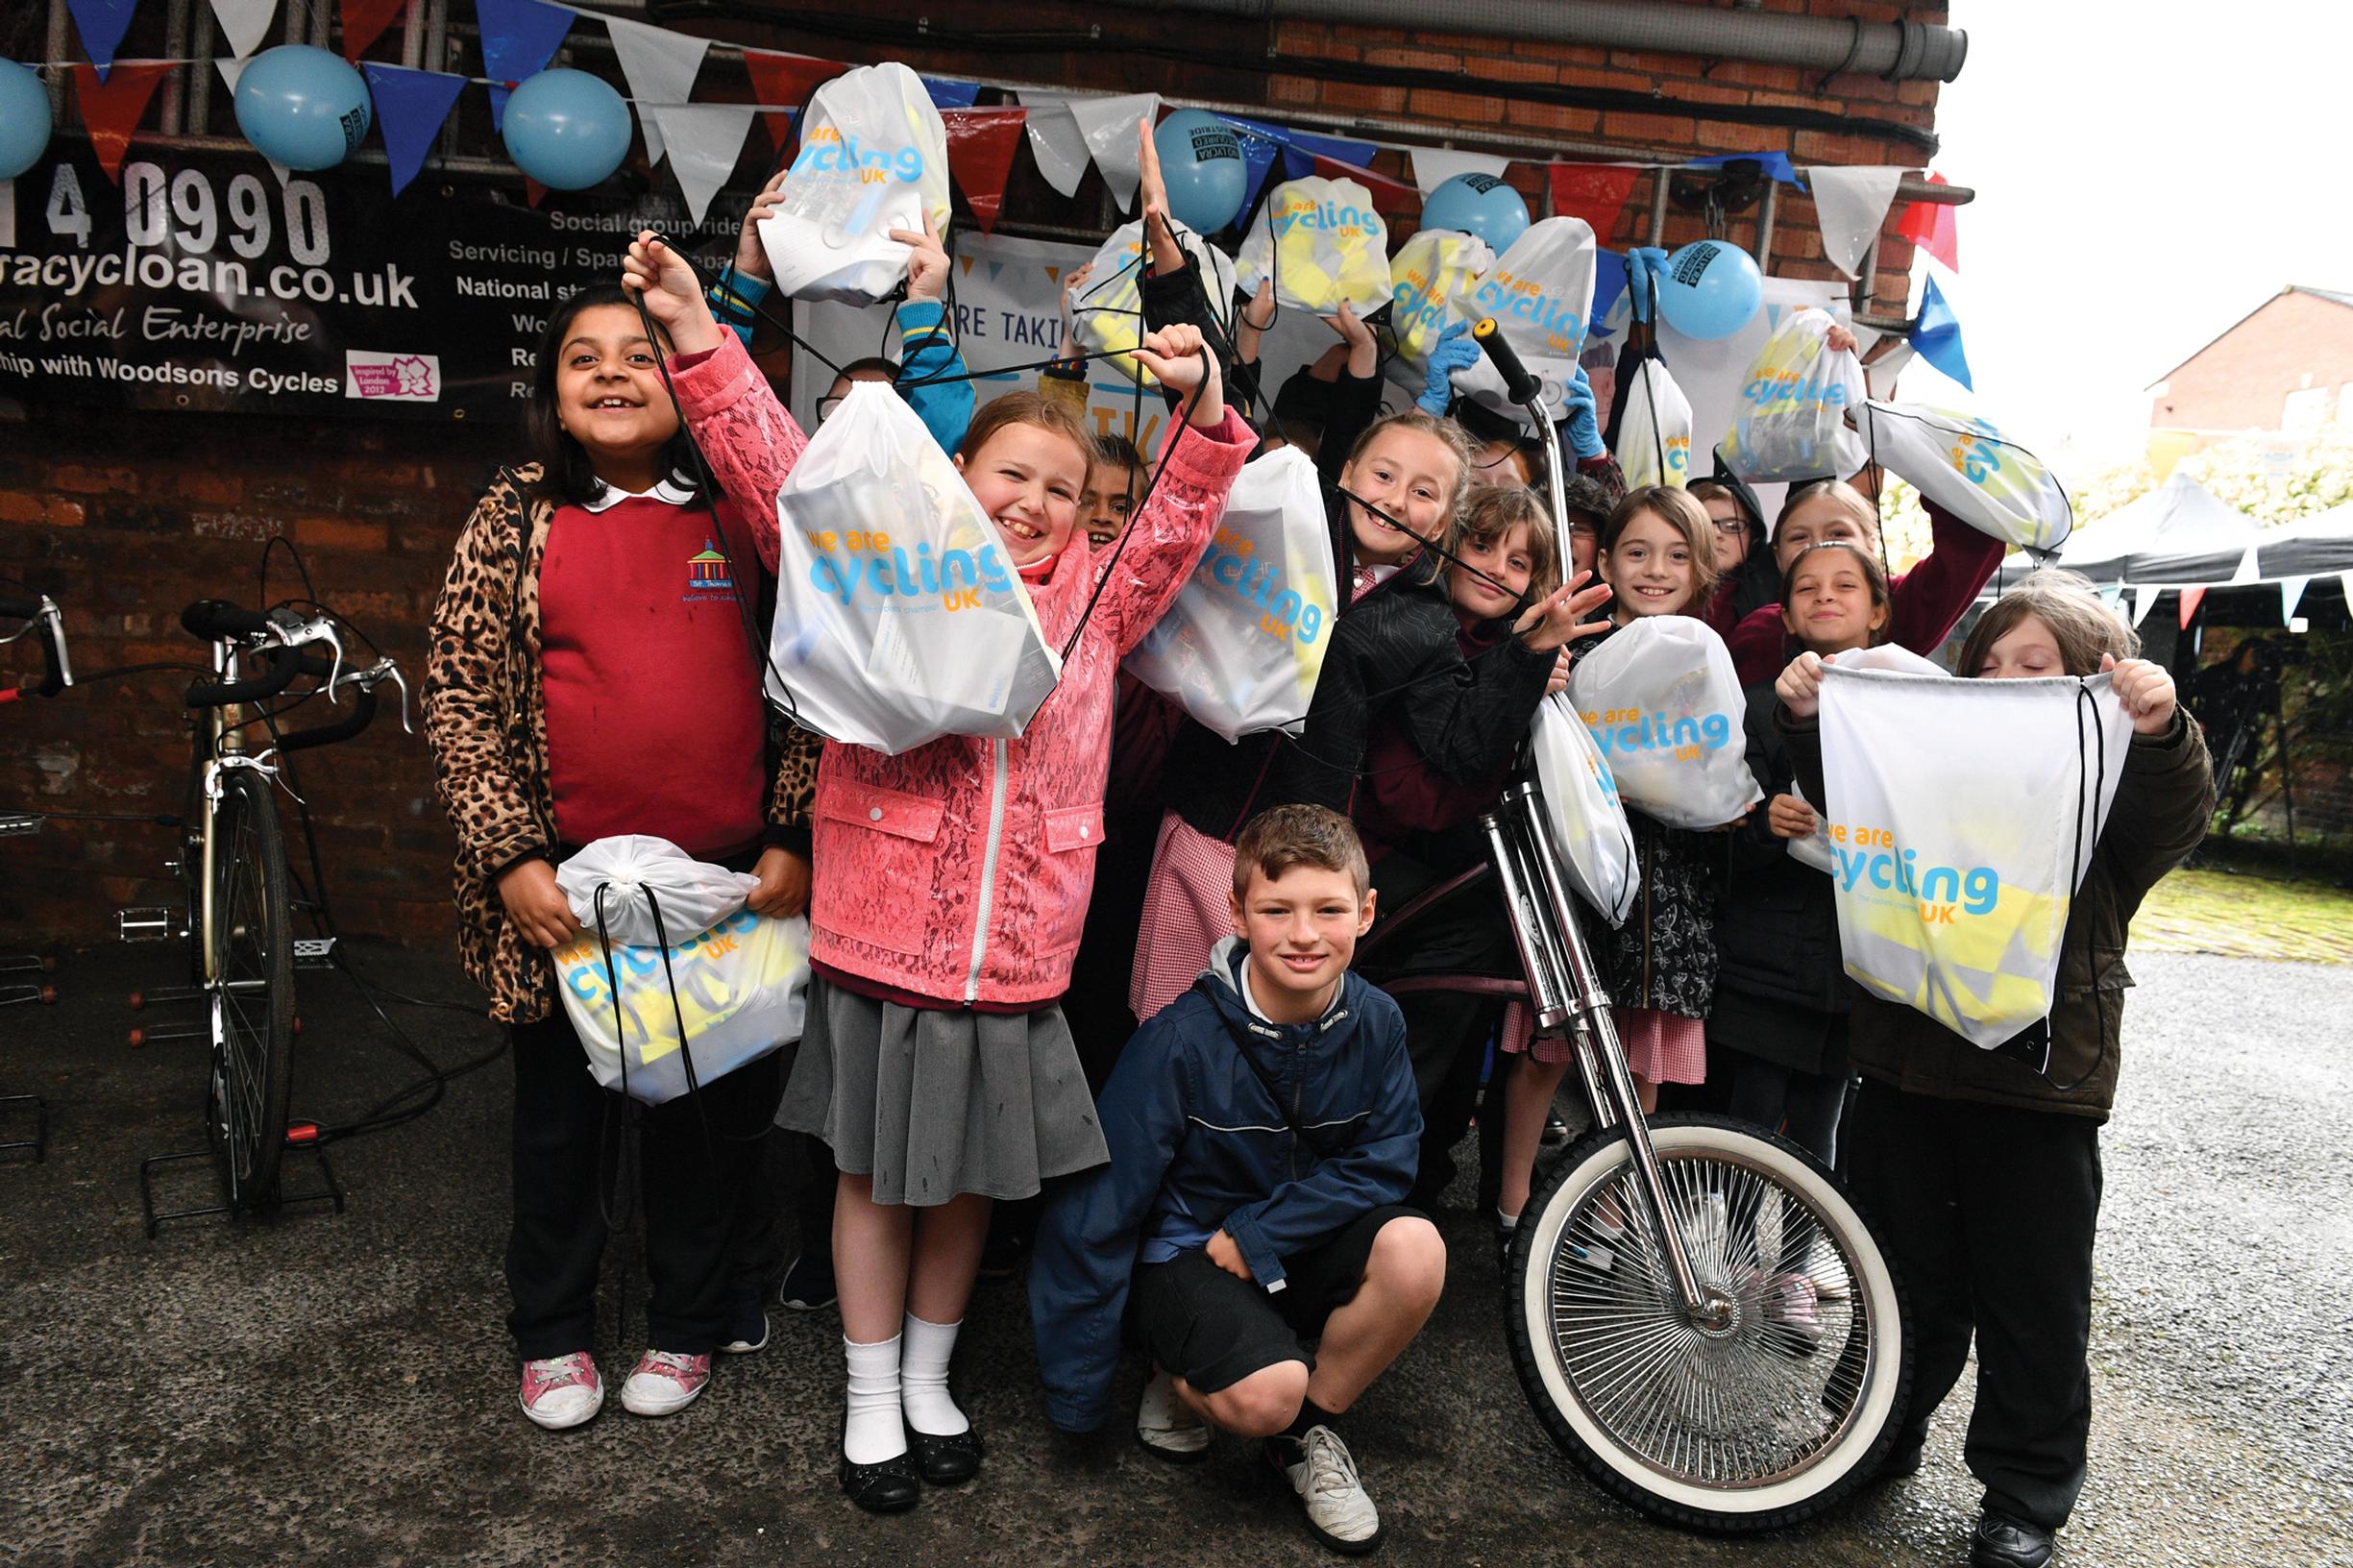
[1198, 1143]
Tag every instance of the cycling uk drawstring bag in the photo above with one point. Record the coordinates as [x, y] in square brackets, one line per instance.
[1588, 821]
[1323, 243]
[1972, 470]
[1962, 816]
[1242, 646]
[1790, 420]
[1107, 317]
[1430, 284]
[1654, 443]
[873, 158]
[1666, 713]
[669, 953]
[898, 617]
[1540, 293]
[1814, 849]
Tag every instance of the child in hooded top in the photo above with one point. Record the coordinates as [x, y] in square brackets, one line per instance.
[1261, 1131]
[1983, 1172]
[951, 882]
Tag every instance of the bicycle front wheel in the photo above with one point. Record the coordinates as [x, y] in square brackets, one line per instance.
[1769, 1416]
[253, 996]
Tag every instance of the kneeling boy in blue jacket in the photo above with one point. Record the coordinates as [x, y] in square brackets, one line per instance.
[1262, 1128]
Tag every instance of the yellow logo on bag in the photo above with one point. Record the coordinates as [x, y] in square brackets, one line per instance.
[707, 994]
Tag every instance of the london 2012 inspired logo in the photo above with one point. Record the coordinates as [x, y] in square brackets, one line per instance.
[391, 378]
[707, 575]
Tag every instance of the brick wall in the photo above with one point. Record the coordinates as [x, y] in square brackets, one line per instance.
[126, 517]
[2237, 381]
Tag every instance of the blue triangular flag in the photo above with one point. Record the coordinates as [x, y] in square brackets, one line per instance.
[1609, 282]
[102, 24]
[519, 37]
[948, 93]
[1300, 153]
[1937, 335]
[410, 108]
[1776, 164]
[1260, 145]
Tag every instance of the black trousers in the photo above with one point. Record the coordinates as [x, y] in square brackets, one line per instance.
[707, 1206]
[1990, 1211]
[1770, 1094]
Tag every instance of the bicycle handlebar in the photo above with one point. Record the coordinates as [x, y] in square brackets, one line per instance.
[1520, 384]
[285, 663]
[362, 714]
[216, 620]
[12, 609]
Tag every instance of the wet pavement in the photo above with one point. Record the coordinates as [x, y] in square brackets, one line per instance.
[331, 1389]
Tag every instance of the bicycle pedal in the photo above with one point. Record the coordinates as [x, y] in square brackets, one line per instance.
[314, 952]
[152, 922]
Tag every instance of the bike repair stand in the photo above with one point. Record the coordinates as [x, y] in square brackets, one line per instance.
[14, 992]
[302, 1136]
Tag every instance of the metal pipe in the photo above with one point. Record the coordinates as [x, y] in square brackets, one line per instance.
[1764, 226]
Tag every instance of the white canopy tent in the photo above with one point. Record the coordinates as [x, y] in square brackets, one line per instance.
[2180, 533]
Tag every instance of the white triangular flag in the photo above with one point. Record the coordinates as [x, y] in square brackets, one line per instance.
[231, 70]
[2143, 601]
[2344, 585]
[1880, 375]
[7, 214]
[2110, 594]
[1055, 140]
[2291, 592]
[243, 22]
[1433, 167]
[1850, 204]
[1108, 127]
[2249, 570]
[704, 141]
[660, 66]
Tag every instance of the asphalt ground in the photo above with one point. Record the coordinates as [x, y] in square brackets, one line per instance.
[337, 1388]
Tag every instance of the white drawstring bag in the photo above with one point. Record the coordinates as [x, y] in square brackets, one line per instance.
[1324, 244]
[1588, 820]
[1790, 422]
[898, 617]
[1540, 294]
[1814, 849]
[1667, 714]
[1106, 316]
[1972, 470]
[873, 158]
[1242, 646]
[1655, 433]
[737, 981]
[1430, 284]
[1962, 816]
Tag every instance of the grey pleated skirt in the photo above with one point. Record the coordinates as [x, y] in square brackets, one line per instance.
[933, 1102]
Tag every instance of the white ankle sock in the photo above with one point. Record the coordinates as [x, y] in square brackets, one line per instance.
[923, 1378]
[1506, 1223]
[874, 1434]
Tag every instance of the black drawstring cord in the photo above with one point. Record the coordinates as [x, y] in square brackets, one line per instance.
[2081, 862]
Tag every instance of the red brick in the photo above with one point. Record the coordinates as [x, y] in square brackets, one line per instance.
[1755, 74]
[1313, 42]
[1722, 137]
[1414, 59]
[1650, 130]
[1557, 117]
[1791, 100]
[54, 511]
[1644, 63]
[1355, 98]
[1584, 76]
[206, 486]
[1291, 89]
[1565, 54]
[1461, 107]
[1463, 43]
[1707, 92]
[1496, 68]
[339, 533]
[1347, 32]
[94, 482]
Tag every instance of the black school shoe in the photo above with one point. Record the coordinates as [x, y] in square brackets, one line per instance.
[946, 1462]
[2000, 1541]
[888, 1488]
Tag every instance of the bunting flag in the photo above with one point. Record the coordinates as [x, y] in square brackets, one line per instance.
[1055, 140]
[364, 22]
[1301, 149]
[2111, 594]
[787, 79]
[1937, 335]
[981, 143]
[1391, 198]
[946, 93]
[410, 106]
[2191, 599]
[1609, 282]
[1776, 164]
[243, 23]
[2145, 597]
[659, 66]
[1595, 192]
[704, 143]
[1433, 167]
[1108, 125]
[1260, 145]
[102, 24]
[111, 104]
[231, 70]
[519, 37]
[2292, 594]
[1850, 205]
[1880, 375]
[1935, 227]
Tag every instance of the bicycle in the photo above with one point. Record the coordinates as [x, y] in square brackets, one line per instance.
[1698, 1315]
[39, 616]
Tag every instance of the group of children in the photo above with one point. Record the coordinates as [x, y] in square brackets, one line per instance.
[1243, 1184]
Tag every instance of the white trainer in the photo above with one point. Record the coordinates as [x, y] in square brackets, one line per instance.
[1324, 1475]
[1167, 1426]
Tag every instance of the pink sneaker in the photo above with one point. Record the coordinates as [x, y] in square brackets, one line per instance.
[663, 1383]
[562, 1390]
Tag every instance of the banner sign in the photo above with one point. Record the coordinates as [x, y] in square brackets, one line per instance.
[207, 283]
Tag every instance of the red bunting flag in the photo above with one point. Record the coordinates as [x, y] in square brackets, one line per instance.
[364, 22]
[533, 192]
[1390, 197]
[111, 108]
[1935, 227]
[2191, 599]
[980, 146]
[789, 80]
[1595, 192]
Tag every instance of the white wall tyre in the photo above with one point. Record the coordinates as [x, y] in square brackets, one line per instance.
[1773, 1418]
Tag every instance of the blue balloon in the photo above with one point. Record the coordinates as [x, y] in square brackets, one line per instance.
[24, 119]
[566, 130]
[1709, 289]
[302, 107]
[1477, 204]
[1201, 163]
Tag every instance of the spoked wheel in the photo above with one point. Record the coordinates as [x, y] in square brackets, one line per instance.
[1769, 1411]
[252, 1002]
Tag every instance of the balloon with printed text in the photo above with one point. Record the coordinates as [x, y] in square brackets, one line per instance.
[1201, 163]
[566, 130]
[302, 107]
[1709, 289]
[24, 119]
[1477, 204]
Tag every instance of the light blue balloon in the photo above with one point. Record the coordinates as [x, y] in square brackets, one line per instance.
[1201, 163]
[566, 130]
[302, 107]
[1709, 289]
[24, 119]
[1477, 204]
